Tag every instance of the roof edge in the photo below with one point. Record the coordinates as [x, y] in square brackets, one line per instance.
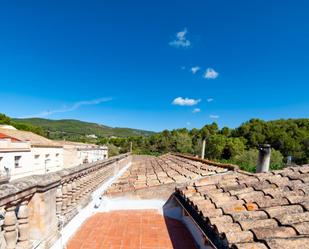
[222, 165]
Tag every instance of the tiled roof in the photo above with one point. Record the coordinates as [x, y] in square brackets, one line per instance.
[238, 210]
[79, 144]
[34, 139]
[148, 171]
[4, 136]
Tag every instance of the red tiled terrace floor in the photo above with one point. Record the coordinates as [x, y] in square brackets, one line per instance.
[142, 229]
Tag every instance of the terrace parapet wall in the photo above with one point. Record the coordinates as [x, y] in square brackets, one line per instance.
[228, 166]
[33, 209]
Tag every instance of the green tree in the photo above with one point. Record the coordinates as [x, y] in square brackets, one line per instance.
[215, 146]
[247, 160]
[5, 119]
[183, 141]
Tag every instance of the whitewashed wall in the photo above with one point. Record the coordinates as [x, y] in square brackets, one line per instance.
[32, 162]
[47, 159]
[8, 161]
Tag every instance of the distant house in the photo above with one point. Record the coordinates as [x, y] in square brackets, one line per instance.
[92, 136]
[75, 153]
[24, 153]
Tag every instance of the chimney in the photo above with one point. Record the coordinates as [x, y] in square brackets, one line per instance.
[203, 148]
[264, 158]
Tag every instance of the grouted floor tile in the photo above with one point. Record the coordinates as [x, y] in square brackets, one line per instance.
[132, 229]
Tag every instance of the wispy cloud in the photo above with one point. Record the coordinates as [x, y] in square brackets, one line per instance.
[185, 101]
[181, 40]
[195, 69]
[211, 74]
[210, 100]
[196, 110]
[188, 123]
[214, 116]
[70, 108]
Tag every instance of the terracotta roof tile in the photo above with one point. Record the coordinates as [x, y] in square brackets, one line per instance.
[226, 227]
[262, 233]
[264, 203]
[254, 245]
[288, 219]
[291, 243]
[148, 171]
[302, 228]
[239, 237]
[250, 224]
[249, 215]
[34, 139]
[267, 210]
[281, 210]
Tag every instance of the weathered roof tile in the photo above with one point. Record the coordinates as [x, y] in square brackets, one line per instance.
[262, 233]
[290, 243]
[288, 219]
[254, 245]
[280, 210]
[267, 210]
[239, 237]
[302, 228]
[248, 215]
[250, 224]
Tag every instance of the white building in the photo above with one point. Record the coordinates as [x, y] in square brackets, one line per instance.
[24, 153]
[75, 153]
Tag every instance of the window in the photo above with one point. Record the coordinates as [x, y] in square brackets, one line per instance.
[17, 161]
[57, 155]
[36, 159]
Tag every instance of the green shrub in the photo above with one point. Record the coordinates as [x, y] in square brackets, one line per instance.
[248, 160]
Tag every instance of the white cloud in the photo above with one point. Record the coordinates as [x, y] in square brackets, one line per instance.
[214, 116]
[185, 101]
[181, 40]
[196, 110]
[210, 100]
[188, 123]
[73, 107]
[195, 69]
[211, 74]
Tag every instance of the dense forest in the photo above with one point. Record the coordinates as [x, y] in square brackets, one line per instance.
[239, 146]
[287, 138]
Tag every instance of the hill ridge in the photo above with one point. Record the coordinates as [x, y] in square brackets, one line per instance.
[60, 128]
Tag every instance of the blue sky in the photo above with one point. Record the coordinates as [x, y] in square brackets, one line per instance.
[155, 64]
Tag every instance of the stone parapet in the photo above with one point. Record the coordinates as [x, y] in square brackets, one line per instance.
[34, 208]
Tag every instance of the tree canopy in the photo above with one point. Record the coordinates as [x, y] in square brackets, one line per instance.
[287, 138]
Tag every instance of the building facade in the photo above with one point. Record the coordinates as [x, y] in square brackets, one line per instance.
[24, 153]
[75, 153]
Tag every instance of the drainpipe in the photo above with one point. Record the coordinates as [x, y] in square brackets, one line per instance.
[264, 158]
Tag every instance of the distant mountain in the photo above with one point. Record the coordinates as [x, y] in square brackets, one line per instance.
[74, 129]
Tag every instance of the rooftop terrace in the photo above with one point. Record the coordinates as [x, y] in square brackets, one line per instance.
[172, 201]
